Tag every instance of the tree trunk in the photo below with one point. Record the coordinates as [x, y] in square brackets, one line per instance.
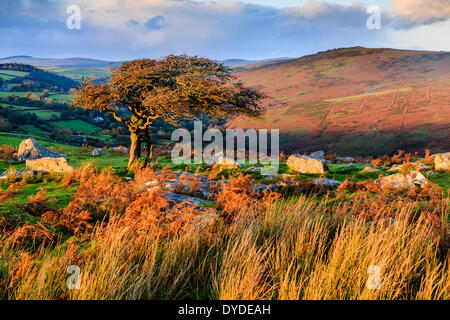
[135, 149]
[148, 140]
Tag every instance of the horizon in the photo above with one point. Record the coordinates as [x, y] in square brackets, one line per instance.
[250, 29]
[227, 59]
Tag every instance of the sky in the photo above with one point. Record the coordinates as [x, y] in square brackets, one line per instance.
[247, 29]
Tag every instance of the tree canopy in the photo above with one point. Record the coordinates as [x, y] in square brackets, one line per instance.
[174, 88]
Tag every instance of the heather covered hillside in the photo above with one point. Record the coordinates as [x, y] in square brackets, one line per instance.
[356, 101]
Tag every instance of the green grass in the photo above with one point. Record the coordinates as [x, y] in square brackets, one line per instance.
[29, 128]
[11, 74]
[77, 125]
[77, 74]
[21, 108]
[14, 73]
[117, 162]
[6, 77]
[61, 97]
[54, 191]
[5, 94]
[45, 114]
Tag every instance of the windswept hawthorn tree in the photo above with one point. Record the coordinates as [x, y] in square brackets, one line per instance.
[174, 88]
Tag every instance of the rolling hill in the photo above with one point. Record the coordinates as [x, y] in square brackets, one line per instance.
[356, 101]
[55, 62]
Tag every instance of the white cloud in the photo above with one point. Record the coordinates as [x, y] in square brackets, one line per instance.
[421, 11]
[433, 37]
[125, 29]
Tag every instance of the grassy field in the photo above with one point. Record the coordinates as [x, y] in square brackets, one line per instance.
[61, 97]
[5, 94]
[6, 77]
[29, 128]
[11, 74]
[78, 74]
[317, 244]
[21, 108]
[77, 125]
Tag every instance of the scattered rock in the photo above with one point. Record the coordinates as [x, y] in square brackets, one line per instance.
[21, 174]
[226, 163]
[252, 169]
[57, 165]
[120, 149]
[287, 176]
[345, 159]
[98, 152]
[326, 182]
[29, 149]
[205, 188]
[404, 180]
[369, 170]
[179, 198]
[411, 166]
[318, 154]
[306, 164]
[347, 168]
[442, 161]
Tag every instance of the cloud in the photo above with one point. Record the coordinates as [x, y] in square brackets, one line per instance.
[421, 11]
[126, 29]
[155, 23]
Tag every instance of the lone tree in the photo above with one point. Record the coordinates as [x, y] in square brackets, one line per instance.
[174, 88]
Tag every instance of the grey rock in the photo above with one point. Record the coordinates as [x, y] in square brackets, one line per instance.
[404, 180]
[370, 170]
[306, 164]
[442, 161]
[318, 154]
[29, 149]
[326, 182]
[345, 159]
[98, 152]
[179, 198]
[57, 165]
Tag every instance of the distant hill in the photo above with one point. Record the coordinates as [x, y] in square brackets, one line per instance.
[242, 64]
[96, 64]
[23, 77]
[356, 101]
[62, 63]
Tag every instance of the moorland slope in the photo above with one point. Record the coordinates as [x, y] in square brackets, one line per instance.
[356, 101]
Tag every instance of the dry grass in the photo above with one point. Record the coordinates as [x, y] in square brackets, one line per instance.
[300, 249]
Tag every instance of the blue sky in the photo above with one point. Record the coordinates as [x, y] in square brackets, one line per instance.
[248, 29]
[386, 4]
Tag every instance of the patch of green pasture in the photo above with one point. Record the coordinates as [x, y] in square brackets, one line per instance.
[61, 97]
[29, 128]
[54, 190]
[77, 125]
[46, 114]
[6, 77]
[14, 73]
[5, 94]
[78, 74]
[21, 108]
[117, 162]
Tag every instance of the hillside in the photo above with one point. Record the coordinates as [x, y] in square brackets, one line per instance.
[23, 77]
[55, 62]
[356, 101]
